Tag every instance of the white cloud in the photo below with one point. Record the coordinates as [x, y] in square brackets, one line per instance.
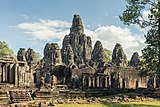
[25, 17]
[145, 14]
[45, 29]
[108, 35]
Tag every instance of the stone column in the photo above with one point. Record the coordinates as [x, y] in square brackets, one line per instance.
[6, 72]
[82, 81]
[3, 73]
[11, 74]
[16, 81]
[107, 81]
[98, 80]
[93, 81]
[89, 81]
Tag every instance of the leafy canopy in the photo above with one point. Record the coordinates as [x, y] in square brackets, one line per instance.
[133, 15]
[108, 55]
[5, 50]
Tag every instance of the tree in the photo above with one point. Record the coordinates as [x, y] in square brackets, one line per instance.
[5, 50]
[133, 15]
[108, 55]
[38, 56]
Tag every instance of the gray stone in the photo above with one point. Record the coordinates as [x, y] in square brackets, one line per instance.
[118, 56]
[77, 46]
[31, 57]
[21, 54]
[52, 54]
[98, 55]
[77, 26]
[68, 55]
[135, 59]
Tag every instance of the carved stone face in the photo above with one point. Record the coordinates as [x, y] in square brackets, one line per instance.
[52, 54]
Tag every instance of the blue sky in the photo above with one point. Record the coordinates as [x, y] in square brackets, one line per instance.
[33, 23]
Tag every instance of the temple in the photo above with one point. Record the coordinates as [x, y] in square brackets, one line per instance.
[76, 66]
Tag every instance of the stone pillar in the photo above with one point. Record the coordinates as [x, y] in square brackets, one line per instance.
[11, 73]
[6, 73]
[120, 82]
[16, 81]
[3, 73]
[107, 81]
[93, 81]
[89, 81]
[98, 81]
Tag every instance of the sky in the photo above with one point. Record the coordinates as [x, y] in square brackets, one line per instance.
[33, 23]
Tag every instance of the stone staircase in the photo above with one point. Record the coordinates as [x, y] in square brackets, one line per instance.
[4, 98]
[18, 96]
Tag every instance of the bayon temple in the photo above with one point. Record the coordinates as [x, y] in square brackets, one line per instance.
[77, 65]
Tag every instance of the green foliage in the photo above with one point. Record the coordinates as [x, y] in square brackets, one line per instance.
[151, 53]
[133, 12]
[38, 56]
[5, 50]
[108, 54]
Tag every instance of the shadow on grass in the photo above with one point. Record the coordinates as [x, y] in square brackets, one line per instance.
[129, 105]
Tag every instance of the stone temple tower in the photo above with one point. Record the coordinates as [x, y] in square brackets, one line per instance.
[118, 56]
[76, 47]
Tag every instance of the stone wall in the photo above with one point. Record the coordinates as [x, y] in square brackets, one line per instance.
[114, 77]
[15, 72]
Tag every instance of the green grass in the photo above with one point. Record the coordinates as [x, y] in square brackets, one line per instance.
[125, 104]
[104, 97]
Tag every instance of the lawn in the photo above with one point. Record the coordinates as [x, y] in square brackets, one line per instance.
[125, 104]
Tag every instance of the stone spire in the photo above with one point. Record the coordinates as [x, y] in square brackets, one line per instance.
[29, 56]
[21, 54]
[98, 55]
[118, 56]
[52, 54]
[135, 59]
[77, 46]
[98, 52]
[77, 26]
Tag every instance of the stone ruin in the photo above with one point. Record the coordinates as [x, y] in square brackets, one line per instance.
[76, 66]
[18, 71]
[118, 56]
[77, 47]
[135, 60]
